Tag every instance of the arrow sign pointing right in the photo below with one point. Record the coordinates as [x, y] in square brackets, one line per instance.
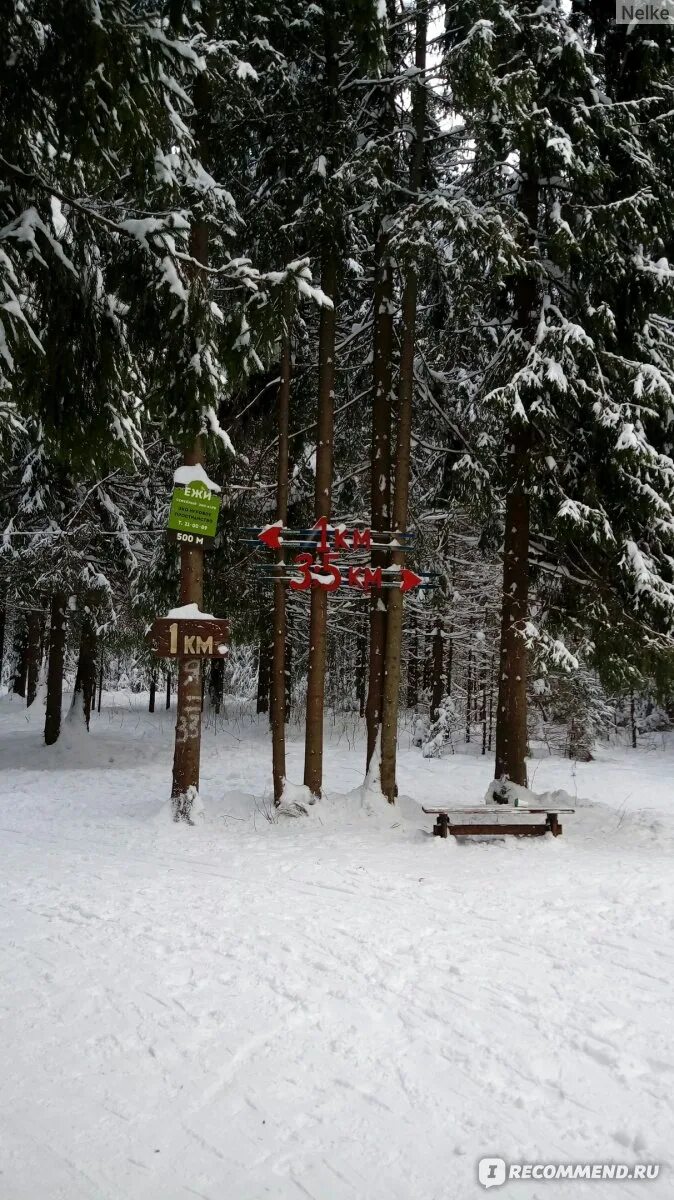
[409, 579]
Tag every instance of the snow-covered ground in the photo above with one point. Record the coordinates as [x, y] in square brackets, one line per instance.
[338, 1007]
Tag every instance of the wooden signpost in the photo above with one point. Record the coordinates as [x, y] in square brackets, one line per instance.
[189, 640]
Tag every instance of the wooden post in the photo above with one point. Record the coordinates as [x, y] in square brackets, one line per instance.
[187, 751]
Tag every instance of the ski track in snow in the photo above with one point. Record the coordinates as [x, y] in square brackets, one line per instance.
[335, 1007]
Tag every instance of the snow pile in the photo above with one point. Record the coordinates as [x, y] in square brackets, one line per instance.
[194, 474]
[502, 792]
[189, 612]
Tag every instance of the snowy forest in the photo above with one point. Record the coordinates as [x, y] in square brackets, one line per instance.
[441, 305]
[389, 279]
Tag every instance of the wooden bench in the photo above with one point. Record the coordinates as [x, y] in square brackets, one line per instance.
[453, 820]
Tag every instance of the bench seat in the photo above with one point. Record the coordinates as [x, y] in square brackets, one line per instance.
[462, 822]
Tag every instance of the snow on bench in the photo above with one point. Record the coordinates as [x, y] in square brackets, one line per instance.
[503, 801]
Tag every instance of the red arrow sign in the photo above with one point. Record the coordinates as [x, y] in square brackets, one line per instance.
[409, 580]
[271, 536]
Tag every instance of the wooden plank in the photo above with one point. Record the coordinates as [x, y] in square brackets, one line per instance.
[171, 638]
[537, 830]
[489, 810]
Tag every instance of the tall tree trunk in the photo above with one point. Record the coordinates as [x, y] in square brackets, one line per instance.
[491, 706]
[168, 690]
[288, 674]
[189, 699]
[361, 670]
[21, 652]
[483, 710]
[511, 715]
[318, 620]
[33, 664]
[393, 650]
[412, 665]
[187, 750]
[100, 682]
[437, 681]
[216, 684]
[57, 645]
[380, 475]
[262, 701]
[153, 691]
[3, 619]
[278, 659]
[313, 751]
[469, 693]
[382, 402]
[85, 679]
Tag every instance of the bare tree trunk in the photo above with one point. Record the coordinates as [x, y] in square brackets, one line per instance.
[511, 716]
[469, 693]
[216, 684]
[288, 673]
[361, 670]
[278, 663]
[428, 657]
[21, 652]
[3, 619]
[168, 690]
[313, 745]
[393, 647]
[153, 691]
[483, 712]
[85, 679]
[380, 475]
[437, 679]
[313, 751]
[633, 724]
[491, 707]
[33, 654]
[412, 665]
[57, 645]
[262, 702]
[100, 683]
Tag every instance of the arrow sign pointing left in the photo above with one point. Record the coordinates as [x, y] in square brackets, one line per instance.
[271, 536]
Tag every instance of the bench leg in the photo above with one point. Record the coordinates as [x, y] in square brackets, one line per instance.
[441, 826]
[554, 825]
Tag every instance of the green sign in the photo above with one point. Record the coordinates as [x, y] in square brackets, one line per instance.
[193, 517]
